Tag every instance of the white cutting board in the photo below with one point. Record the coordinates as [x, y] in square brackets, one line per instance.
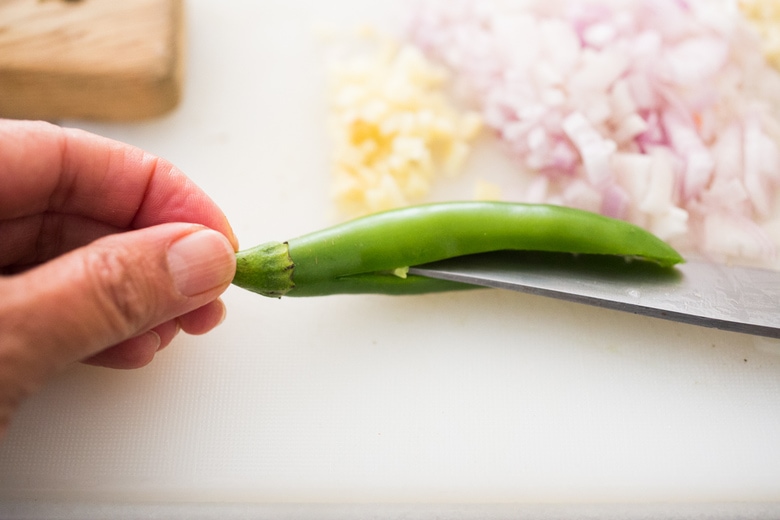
[484, 397]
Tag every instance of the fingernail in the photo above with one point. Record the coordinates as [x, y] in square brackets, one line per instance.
[201, 261]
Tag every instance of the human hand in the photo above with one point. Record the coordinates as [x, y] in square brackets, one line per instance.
[106, 252]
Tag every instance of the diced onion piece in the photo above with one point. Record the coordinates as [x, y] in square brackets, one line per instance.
[594, 149]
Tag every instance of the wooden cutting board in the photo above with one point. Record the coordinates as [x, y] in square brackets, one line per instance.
[90, 59]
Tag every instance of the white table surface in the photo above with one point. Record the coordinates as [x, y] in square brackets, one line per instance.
[438, 403]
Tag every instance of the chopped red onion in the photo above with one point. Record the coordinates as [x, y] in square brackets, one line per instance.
[657, 111]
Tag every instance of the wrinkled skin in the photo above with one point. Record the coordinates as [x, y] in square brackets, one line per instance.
[106, 253]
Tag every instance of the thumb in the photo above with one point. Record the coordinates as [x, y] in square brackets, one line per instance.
[106, 292]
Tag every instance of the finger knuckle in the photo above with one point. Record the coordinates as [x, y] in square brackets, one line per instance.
[126, 299]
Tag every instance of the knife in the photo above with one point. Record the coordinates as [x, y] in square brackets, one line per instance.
[737, 299]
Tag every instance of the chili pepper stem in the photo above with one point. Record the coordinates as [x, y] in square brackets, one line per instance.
[266, 269]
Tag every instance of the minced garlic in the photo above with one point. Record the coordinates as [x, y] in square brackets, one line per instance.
[485, 190]
[765, 16]
[394, 128]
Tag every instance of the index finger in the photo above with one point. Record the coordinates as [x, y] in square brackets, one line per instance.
[46, 168]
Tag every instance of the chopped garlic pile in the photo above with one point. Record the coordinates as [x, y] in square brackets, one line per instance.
[393, 126]
[765, 15]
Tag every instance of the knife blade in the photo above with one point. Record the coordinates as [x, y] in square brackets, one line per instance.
[737, 299]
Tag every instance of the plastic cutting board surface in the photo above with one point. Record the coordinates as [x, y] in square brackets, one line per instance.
[484, 397]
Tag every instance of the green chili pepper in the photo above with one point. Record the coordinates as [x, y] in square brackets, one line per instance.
[365, 254]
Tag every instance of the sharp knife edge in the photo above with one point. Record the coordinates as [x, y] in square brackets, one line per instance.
[736, 299]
